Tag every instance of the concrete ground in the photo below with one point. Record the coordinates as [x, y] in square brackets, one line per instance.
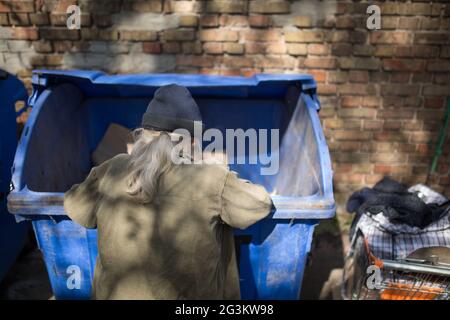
[27, 279]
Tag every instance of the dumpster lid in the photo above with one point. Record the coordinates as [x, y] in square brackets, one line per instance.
[95, 83]
[41, 77]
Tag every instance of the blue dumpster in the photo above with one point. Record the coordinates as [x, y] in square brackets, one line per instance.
[73, 109]
[12, 235]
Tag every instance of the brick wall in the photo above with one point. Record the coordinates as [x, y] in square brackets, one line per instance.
[383, 92]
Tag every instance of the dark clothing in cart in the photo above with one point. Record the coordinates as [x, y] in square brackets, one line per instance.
[396, 203]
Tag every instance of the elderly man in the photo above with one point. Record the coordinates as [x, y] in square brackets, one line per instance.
[165, 226]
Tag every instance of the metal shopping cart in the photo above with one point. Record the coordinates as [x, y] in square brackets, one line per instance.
[423, 275]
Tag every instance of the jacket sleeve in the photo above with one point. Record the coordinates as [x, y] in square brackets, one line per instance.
[81, 201]
[243, 203]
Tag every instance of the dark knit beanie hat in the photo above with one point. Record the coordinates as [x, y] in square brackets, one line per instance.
[171, 108]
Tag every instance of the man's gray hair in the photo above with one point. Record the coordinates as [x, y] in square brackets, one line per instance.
[150, 158]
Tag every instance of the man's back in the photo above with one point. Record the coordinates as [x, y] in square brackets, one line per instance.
[179, 245]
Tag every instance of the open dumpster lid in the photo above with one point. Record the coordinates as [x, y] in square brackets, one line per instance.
[95, 83]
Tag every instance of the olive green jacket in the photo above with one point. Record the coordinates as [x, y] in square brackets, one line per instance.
[178, 246]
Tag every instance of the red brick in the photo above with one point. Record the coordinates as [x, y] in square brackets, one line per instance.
[432, 38]
[338, 36]
[333, 123]
[318, 75]
[357, 113]
[213, 47]
[211, 20]
[218, 35]
[59, 34]
[363, 50]
[357, 89]
[350, 178]
[392, 125]
[255, 47]
[151, 47]
[392, 169]
[178, 35]
[43, 46]
[269, 6]
[417, 51]
[147, 6]
[359, 63]
[388, 157]
[196, 61]
[389, 136]
[321, 63]
[302, 21]
[171, 47]
[19, 19]
[138, 35]
[400, 77]
[439, 66]
[412, 125]
[395, 114]
[399, 90]
[304, 36]
[341, 49]
[62, 5]
[390, 37]
[20, 33]
[276, 47]
[389, 23]
[318, 49]
[275, 62]
[297, 49]
[371, 102]
[259, 21]
[441, 78]
[429, 23]
[191, 48]
[345, 22]
[46, 60]
[326, 89]
[359, 76]
[4, 21]
[434, 103]
[226, 6]
[189, 21]
[233, 48]
[404, 65]
[261, 35]
[414, 8]
[343, 167]
[352, 135]
[384, 51]
[422, 137]
[17, 6]
[233, 20]
[351, 146]
[99, 6]
[337, 76]
[237, 62]
[62, 46]
[373, 125]
[411, 23]
[435, 90]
